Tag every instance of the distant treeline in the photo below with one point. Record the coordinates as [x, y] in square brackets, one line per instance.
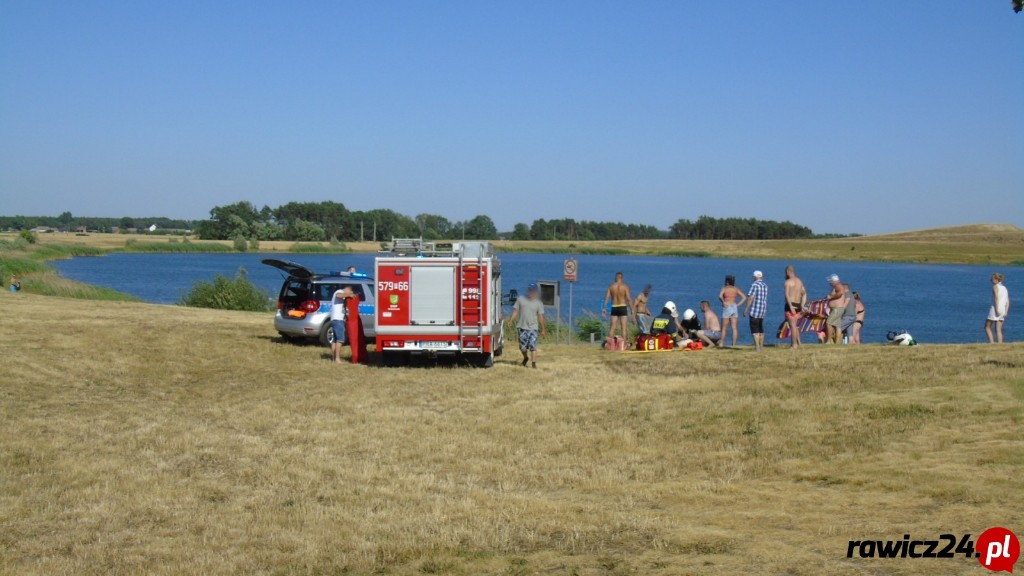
[66, 221]
[321, 221]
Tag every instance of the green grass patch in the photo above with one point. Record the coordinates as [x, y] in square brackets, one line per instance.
[317, 248]
[176, 247]
[28, 263]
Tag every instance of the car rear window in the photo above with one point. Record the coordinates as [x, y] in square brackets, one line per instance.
[295, 291]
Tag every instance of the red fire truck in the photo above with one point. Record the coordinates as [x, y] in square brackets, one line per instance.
[436, 299]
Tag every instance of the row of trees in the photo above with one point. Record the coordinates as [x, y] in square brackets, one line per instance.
[708, 228]
[570, 229]
[67, 221]
[319, 221]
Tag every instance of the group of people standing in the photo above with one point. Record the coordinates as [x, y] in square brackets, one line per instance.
[846, 312]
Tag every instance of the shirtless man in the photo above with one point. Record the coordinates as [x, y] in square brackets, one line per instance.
[731, 308]
[796, 301]
[641, 314]
[622, 305]
[836, 305]
[712, 332]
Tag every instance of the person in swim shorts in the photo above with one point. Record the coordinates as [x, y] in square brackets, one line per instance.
[641, 313]
[796, 301]
[836, 305]
[712, 332]
[732, 298]
[622, 306]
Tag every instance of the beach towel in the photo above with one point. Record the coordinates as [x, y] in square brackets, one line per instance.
[813, 319]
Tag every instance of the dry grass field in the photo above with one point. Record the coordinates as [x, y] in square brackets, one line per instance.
[975, 244]
[143, 439]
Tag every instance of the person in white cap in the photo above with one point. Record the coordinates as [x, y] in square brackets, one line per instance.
[837, 302]
[757, 307]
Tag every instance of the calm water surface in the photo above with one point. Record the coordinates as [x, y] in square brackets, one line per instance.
[937, 303]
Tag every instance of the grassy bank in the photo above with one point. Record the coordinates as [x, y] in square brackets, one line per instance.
[194, 442]
[28, 263]
[976, 244]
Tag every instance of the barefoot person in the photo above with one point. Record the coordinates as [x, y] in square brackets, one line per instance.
[836, 306]
[999, 310]
[338, 315]
[730, 308]
[858, 324]
[641, 313]
[529, 311]
[712, 332]
[622, 305]
[796, 301]
[757, 308]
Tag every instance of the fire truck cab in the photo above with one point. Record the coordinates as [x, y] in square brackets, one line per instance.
[439, 299]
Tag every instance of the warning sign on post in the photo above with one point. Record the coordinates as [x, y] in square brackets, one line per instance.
[570, 269]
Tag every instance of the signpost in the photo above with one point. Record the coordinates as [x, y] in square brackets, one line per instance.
[571, 270]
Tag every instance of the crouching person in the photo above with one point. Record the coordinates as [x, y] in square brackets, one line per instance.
[668, 323]
[712, 332]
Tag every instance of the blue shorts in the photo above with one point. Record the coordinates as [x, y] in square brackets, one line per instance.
[340, 334]
[730, 311]
[713, 335]
[527, 340]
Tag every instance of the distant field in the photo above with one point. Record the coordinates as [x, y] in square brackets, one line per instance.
[138, 438]
[977, 244]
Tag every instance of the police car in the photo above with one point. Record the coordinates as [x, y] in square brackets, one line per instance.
[304, 303]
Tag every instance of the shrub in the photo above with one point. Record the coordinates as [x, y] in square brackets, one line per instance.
[28, 236]
[254, 244]
[298, 248]
[225, 293]
[240, 244]
[587, 325]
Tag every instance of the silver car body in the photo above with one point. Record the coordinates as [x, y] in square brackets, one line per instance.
[303, 286]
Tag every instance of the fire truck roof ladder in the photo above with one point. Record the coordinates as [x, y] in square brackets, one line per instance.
[419, 247]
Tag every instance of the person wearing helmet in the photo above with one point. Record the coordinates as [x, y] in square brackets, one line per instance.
[668, 323]
[690, 324]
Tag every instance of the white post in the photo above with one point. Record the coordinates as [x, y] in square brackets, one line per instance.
[570, 312]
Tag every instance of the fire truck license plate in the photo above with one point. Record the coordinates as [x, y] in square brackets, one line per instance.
[434, 345]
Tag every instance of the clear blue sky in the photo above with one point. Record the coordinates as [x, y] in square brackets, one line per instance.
[900, 114]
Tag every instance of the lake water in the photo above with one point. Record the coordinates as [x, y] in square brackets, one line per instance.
[936, 303]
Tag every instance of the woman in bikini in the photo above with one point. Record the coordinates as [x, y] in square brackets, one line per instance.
[858, 325]
[730, 308]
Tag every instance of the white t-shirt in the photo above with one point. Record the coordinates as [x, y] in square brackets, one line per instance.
[338, 308]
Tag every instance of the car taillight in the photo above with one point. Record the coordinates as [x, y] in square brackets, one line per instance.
[310, 306]
[280, 304]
